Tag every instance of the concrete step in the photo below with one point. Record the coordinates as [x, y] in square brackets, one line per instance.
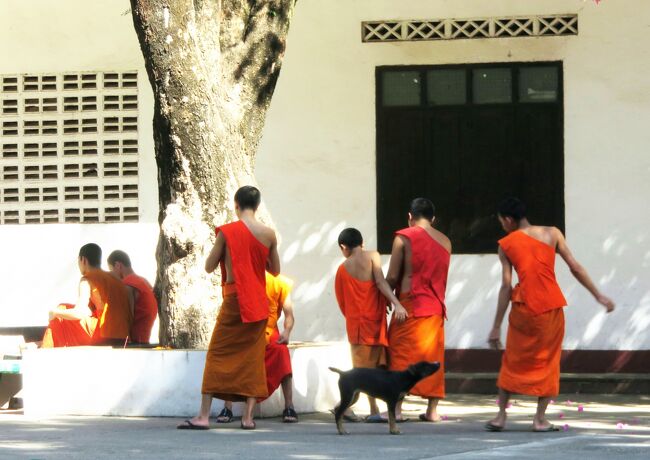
[584, 383]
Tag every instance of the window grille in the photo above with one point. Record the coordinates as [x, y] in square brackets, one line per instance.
[453, 29]
[69, 148]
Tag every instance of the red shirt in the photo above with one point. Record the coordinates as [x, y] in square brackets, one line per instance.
[248, 256]
[429, 269]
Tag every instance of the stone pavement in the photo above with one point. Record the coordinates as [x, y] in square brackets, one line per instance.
[594, 427]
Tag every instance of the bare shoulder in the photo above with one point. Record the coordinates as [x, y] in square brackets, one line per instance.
[373, 255]
[443, 240]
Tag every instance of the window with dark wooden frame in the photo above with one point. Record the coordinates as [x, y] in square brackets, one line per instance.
[466, 136]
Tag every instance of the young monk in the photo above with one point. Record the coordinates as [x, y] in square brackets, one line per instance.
[103, 313]
[531, 361]
[418, 270]
[361, 292]
[141, 294]
[276, 357]
[234, 365]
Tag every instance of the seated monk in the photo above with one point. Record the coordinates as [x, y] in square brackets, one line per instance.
[234, 364]
[142, 296]
[361, 292]
[276, 358]
[103, 313]
[418, 269]
[531, 361]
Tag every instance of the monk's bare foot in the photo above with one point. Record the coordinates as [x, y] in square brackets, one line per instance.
[543, 426]
[196, 423]
[248, 424]
[398, 416]
[430, 417]
[496, 424]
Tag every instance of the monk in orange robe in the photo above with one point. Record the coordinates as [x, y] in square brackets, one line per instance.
[142, 296]
[362, 293]
[418, 270]
[276, 357]
[103, 313]
[234, 365]
[531, 361]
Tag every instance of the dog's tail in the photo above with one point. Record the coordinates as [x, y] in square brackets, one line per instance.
[333, 369]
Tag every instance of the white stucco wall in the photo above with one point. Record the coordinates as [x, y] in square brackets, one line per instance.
[322, 126]
[316, 164]
[40, 261]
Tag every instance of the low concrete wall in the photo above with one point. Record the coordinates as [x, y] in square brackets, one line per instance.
[133, 382]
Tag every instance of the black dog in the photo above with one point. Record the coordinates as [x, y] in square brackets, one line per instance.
[389, 386]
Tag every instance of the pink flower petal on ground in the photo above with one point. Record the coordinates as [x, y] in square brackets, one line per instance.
[497, 401]
[443, 417]
[509, 405]
[561, 415]
[565, 427]
[619, 426]
[581, 408]
[552, 401]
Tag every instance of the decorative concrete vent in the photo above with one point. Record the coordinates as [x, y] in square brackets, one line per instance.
[69, 148]
[453, 29]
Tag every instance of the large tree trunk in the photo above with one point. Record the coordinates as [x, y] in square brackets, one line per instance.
[213, 65]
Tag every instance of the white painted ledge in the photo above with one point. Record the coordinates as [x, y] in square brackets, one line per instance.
[139, 382]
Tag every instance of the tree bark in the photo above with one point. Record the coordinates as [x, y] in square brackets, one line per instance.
[213, 66]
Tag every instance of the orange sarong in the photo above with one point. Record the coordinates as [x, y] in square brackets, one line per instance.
[371, 356]
[70, 333]
[418, 339]
[234, 364]
[531, 360]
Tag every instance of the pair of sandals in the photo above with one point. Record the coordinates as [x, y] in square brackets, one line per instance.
[289, 415]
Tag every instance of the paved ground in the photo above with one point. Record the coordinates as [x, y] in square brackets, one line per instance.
[594, 427]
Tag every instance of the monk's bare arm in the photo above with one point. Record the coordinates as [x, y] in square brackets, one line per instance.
[273, 262]
[494, 338]
[80, 309]
[287, 311]
[396, 262]
[216, 254]
[579, 272]
[400, 313]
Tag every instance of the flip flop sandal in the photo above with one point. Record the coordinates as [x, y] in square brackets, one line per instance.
[188, 425]
[548, 429]
[494, 428]
[402, 420]
[252, 427]
[225, 415]
[423, 418]
[376, 418]
[288, 414]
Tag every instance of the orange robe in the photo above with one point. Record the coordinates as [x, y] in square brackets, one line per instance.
[234, 364]
[145, 311]
[110, 321]
[276, 356]
[418, 339]
[421, 337]
[364, 309]
[531, 360]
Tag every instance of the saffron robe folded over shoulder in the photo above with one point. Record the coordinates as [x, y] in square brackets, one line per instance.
[363, 307]
[234, 365]
[421, 337]
[145, 308]
[109, 323]
[418, 339]
[531, 360]
[276, 357]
